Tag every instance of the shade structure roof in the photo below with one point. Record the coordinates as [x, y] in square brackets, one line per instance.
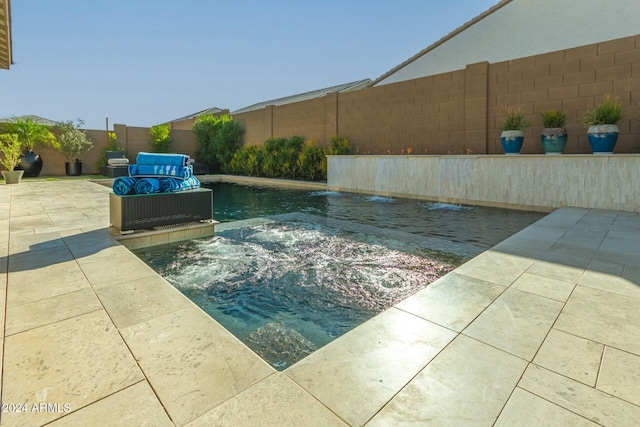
[6, 56]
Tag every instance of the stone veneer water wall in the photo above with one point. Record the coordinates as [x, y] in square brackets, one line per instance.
[531, 182]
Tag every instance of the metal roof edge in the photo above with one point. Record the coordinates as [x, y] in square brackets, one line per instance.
[345, 87]
[444, 39]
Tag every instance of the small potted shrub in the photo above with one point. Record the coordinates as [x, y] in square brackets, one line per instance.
[602, 120]
[73, 143]
[10, 152]
[554, 134]
[512, 136]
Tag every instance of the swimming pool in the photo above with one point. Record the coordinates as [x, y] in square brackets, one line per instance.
[289, 271]
[481, 226]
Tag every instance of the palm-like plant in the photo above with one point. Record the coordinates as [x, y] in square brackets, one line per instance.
[10, 150]
[31, 133]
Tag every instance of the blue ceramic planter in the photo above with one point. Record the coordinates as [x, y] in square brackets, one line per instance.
[512, 141]
[603, 138]
[553, 143]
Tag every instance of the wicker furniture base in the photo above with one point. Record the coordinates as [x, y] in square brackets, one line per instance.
[114, 171]
[153, 210]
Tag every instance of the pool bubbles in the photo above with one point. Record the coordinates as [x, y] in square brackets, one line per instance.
[296, 283]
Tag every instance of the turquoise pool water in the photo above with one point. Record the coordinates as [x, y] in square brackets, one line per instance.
[289, 271]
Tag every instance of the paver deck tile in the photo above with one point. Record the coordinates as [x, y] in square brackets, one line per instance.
[193, 363]
[453, 301]
[581, 399]
[50, 310]
[275, 401]
[136, 405]
[571, 356]
[91, 325]
[620, 375]
[603, 317]
[517, 322]
[455, 389]
[77, 361]
[356, 374]
[525, 409]
[543, 286]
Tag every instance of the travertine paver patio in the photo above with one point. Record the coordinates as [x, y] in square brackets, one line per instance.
[540, 330]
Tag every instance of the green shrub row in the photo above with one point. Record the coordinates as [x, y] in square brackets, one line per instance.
[220, 146]
[291, 158]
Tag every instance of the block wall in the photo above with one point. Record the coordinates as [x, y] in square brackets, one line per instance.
[307, 119]
[53, 162]
[256, 125]
[459, 112]
[137, 139]
[570, 80]
[421, 116]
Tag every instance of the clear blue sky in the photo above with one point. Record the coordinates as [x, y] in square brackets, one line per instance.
[142, 63]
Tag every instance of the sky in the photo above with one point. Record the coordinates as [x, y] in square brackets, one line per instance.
[141, 63]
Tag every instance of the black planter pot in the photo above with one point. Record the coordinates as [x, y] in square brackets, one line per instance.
[30, 163]
[73, 168]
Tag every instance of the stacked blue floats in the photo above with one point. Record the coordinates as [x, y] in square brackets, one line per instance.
[157, 173]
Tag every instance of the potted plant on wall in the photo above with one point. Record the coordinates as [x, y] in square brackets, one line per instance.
[10, 151]
[512, 136]
[602, 120]
[554, 134]
[72, 144]
[30, 133]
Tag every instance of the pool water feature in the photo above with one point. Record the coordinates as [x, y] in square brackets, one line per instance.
[297, 274]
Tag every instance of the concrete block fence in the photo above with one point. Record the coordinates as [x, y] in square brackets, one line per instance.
[458, 112]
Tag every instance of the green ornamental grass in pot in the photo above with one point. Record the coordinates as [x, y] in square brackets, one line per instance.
[10, 151]
[554, 134]
[602, 122]
[512, 136]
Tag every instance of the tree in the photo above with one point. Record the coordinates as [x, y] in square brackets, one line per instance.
[218, 139]
[160, 138]
[72, 141]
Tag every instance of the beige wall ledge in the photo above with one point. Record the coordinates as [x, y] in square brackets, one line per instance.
[530, 182]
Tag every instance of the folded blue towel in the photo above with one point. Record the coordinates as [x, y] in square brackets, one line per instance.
[168, 185]
[162, 159]
[124, 185]
[160, 171]
[147, 185]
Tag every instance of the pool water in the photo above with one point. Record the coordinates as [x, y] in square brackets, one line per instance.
[481, 226]
[289, 271]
